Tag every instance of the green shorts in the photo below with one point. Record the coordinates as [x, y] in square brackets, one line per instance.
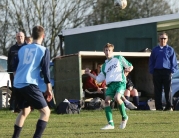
[115, 87]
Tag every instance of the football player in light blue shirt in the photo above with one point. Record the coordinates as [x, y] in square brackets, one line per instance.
[27, 65]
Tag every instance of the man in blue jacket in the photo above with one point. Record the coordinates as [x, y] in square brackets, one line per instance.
[162, 64]
[20, 36]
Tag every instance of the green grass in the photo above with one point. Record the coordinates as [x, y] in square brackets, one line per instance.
[87, 124]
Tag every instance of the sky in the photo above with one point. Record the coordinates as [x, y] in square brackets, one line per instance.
[174, 3]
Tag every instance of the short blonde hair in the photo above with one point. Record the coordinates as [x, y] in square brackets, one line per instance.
[108, 45]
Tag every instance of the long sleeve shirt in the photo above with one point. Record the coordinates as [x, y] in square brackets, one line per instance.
[11, 54]
[163, 58]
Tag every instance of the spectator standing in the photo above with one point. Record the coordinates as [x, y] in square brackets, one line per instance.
[162, 64]
[11, 54]
[31, 59]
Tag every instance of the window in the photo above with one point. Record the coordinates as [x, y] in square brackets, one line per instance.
[3, 65]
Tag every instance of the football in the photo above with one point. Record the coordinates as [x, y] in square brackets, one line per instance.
[120, 3]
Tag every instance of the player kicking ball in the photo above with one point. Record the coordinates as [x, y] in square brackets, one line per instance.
[112, 71]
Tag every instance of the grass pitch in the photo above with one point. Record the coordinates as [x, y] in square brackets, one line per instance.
[87, 124]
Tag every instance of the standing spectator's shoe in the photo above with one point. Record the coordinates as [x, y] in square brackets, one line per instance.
[17, 110]
[11, 109]
[168, 109]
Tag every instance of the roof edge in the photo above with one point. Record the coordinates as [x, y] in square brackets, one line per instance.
[120, 24]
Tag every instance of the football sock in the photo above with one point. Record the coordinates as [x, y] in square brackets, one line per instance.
[108, 112]
[17, 131]
[122, 111]
[40, 127]
[127, 97]
[136, 100]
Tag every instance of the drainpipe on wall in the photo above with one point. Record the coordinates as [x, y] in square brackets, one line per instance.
[61, 43]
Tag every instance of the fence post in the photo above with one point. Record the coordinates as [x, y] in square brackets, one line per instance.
[54, 101]
[1, 100]
[7, 94]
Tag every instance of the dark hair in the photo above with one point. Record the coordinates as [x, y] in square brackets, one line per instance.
[99, 63]
[37, 32]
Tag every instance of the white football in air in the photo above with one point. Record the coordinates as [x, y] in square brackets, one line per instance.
[120, 3]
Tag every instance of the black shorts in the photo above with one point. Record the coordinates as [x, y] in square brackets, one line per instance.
[30, 96]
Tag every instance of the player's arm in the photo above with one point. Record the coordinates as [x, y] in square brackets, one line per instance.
[99, 78]
[45, 64]
[127, 65]
[87, 71]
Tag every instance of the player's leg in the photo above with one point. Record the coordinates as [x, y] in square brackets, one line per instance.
[38, 102]
[121, 106]
[44, 114]
[120, 88]
[22, 115]
[42, 122]
[20, 121]
[108, 110]
[108, 113]
[34, 97]
[128, 104]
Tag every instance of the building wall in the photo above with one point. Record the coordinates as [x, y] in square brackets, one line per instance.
[67, 79]
[126, 39]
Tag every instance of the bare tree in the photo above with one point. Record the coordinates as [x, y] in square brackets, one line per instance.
[105, 12]
[173, 39]
[56, 15]
[53, 15]
[4, 26]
